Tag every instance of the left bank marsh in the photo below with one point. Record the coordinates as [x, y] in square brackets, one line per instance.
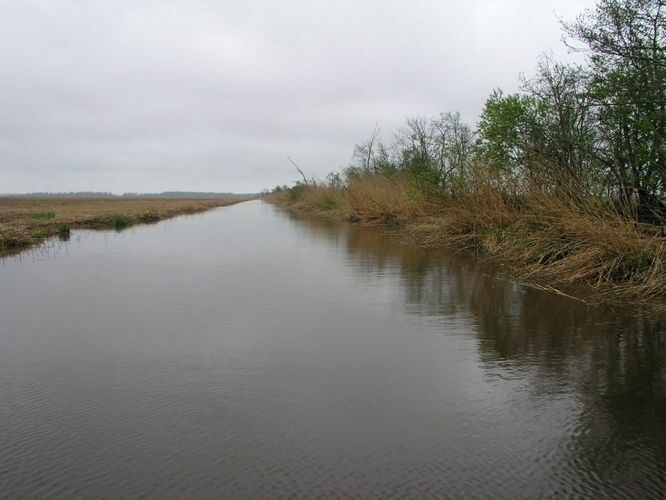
[27, 221]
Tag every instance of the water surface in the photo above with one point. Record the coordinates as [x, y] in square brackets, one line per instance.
[248, 352]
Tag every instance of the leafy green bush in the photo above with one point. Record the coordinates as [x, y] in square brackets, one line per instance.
[121, 221]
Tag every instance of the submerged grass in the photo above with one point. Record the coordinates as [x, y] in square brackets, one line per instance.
[25, 222]
[550, 239]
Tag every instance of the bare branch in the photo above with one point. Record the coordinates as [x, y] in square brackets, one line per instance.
[305, 181]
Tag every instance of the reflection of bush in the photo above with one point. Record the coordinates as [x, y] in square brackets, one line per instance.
[614, 361]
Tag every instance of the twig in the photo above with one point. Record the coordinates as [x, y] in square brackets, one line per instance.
[305, 181]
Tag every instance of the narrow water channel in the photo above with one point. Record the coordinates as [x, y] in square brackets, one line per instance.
[251, 353]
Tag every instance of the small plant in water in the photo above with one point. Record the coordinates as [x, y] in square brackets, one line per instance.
[121, 221]
[64, 231]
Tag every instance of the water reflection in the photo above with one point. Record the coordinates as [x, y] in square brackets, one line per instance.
[252, 353]
[611, 360]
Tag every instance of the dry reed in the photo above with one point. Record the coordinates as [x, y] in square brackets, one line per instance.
[550, 239]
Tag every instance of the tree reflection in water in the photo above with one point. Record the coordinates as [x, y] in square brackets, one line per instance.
[613, 360]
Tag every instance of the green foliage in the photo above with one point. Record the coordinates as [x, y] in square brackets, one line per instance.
[625, 41]
[43, 215]
[509, 131]
[431, 152]
[295, 192]
[121, 221]
[600, 129]
[63, 231]
[545, 133]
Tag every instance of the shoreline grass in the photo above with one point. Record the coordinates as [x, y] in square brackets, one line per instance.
[27, 222]
[550, 241]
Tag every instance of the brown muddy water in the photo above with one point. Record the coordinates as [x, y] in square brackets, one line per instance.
[250, 353]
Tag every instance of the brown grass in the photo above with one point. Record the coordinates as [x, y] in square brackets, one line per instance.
[26, 222]
[372, 200]
[551, 241]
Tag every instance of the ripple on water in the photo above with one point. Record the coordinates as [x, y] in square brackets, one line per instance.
[245, 353]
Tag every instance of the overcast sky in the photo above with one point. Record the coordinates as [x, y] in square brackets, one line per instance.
[154, 95]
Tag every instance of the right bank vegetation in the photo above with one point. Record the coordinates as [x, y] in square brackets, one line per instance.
[564, 180]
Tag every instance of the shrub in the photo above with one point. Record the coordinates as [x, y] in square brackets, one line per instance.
[121, 221]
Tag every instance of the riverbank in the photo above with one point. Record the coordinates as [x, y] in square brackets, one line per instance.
[587, 251]
[27, 222]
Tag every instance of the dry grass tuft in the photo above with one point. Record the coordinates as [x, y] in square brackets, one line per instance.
[372, 200]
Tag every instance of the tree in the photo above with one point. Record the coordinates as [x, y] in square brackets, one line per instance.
[511, 133]
[625, 41]
[363, 152]
[453, 141]
[371, 157]
[415, 143]
[565, 118]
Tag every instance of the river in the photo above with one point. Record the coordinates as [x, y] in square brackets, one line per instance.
[250, 353]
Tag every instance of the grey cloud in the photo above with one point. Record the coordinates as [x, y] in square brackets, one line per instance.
[204, 95]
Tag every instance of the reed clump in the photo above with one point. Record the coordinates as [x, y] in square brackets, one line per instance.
[121, 221]
[372, 200]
